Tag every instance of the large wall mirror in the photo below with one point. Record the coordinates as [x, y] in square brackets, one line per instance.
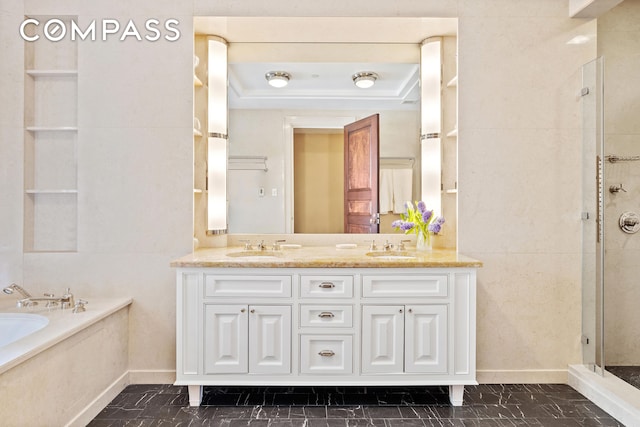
[286, 144]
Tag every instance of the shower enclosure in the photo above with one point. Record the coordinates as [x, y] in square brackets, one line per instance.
[611, 237]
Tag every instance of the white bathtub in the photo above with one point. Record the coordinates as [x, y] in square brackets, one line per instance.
[47, 326]
[14, 326]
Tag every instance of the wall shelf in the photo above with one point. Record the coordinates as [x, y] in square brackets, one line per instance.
[453, 133]
[453, 82]
[59, 191]
[197, 133]
[51, 128]
[50, 179]
[197, 82]
[52, 73]
[451, 191]
[197, 191]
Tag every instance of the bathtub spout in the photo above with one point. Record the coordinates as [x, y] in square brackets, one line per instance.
[13, 287]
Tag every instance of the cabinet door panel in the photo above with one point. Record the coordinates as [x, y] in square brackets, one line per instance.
[270, 339]
[426, 339]
[225, 339]
[382, 339]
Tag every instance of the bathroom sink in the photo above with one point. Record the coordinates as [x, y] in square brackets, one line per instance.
[392, 255]
[254, 254]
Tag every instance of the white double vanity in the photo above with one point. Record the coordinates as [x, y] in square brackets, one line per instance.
[321, 316]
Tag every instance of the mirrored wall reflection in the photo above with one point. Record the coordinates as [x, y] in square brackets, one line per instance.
[262, 195]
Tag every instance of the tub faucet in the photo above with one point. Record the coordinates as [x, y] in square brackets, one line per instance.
[65, 301]
[13, 287]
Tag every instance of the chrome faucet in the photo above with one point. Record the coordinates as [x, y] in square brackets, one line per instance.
[65, 301]
[387, 246]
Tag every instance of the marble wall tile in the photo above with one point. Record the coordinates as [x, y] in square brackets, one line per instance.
[135, 189]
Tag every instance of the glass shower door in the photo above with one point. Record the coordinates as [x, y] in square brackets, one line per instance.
[592, 97]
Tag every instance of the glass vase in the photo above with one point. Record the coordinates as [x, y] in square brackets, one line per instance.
[423, 242]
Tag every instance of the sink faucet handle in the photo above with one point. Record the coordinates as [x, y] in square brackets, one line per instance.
[401, 244]
[50, 303]
[276, 244]
[372, 246]
[247, 244]
[387, 246]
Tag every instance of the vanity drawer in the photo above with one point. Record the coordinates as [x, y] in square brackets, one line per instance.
[326, 286]
[332, 316]
[390, 286]
[326, 354]
[216, 285]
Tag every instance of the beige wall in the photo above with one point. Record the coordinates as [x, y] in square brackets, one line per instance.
[519, 157]
[318, 171]
[619, 43]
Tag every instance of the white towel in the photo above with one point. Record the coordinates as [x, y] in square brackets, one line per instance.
[402, 189]
[385, 190]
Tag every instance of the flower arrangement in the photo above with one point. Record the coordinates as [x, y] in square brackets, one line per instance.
[419, 220]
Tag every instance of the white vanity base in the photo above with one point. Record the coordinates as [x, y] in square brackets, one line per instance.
[456, 392]
[326, 327]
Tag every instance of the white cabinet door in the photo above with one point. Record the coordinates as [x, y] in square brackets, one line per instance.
[426, 339]
[382, 339]
[225, 339]
[270, 339]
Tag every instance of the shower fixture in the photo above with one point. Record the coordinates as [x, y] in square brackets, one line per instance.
[13, 287]
[616, 188]
[629, 222]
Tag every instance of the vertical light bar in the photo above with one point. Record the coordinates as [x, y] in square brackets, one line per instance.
[217, 118]
[216, 185]
[431, 122]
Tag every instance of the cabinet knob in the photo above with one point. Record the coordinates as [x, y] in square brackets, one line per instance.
[326, 353]
[253, 310]
[410, 310]
[242, 310]
[400, 310]
[326, 314]
[327, 285]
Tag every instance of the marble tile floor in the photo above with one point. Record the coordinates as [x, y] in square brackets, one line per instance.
[485, 405]
[630, 374]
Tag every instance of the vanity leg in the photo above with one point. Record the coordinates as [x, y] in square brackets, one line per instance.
[195, 395]
[456, 394]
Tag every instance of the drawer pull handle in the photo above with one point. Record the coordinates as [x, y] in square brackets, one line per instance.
[326, 353]
[325, 314]
[327, 285]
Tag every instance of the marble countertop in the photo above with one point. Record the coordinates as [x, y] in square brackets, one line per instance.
[324, 257]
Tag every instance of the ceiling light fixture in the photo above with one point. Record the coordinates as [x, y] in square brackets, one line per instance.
[364, 79]
[277, 78]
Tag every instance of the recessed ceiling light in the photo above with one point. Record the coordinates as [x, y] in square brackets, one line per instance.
[277, 78]
[364, 79]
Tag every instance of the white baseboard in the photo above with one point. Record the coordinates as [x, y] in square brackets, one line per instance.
[532, 376]
[152, 376]
[100, 402]
[613, 395]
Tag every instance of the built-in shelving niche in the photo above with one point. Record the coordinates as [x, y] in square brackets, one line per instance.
[50, 143]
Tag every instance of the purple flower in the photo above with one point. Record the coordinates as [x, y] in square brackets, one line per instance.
[422, 207]
[406, 226]
[426, 215]
[435, 227]
[397, 223]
